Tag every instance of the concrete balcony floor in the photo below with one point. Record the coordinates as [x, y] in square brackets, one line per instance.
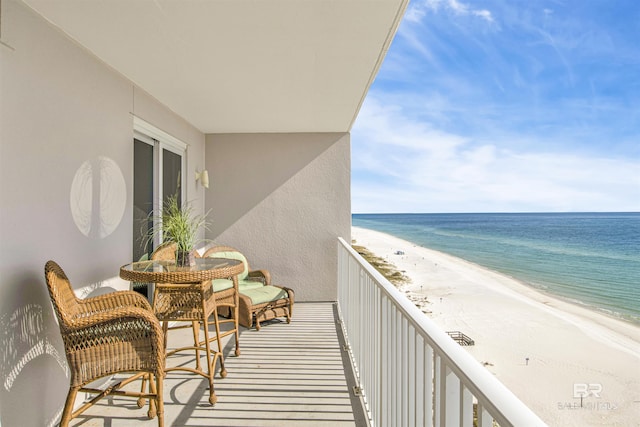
[287, 375]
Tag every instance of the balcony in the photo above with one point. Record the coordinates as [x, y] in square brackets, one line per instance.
[408, 372]
[288, 374]
[278, 99]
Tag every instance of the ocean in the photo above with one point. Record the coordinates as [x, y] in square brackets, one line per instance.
[591, 259]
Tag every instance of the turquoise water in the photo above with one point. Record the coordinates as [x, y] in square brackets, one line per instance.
[588, 258]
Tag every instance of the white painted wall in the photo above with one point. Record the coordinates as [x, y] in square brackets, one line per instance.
[283, 200]
[59, 107]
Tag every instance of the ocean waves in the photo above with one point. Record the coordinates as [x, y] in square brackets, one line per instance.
[590, 258]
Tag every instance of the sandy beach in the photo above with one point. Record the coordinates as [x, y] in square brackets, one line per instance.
[546, 350]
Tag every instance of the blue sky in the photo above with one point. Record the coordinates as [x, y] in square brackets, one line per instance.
[504, 106]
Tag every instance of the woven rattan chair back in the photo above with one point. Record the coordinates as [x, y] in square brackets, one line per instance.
[64, 300]
[106, 335]
[165, 252]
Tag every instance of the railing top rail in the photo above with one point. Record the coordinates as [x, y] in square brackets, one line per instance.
[503, 405]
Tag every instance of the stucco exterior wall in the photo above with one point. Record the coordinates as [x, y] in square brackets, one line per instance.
[59, 108]
[283, 200]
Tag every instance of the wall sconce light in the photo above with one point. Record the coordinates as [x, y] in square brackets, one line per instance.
[203, 177]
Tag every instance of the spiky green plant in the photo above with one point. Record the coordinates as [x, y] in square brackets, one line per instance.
[179, 225]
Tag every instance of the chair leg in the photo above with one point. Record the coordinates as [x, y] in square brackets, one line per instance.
[210, 365]
[165, 330]
[141, 400]
[68, 406]
[237, 326]
[153, 407]
[223, 370]
[160, 400]
[236, 314]
[196, 342]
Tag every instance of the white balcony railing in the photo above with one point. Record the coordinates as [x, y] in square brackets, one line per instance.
[411, 372]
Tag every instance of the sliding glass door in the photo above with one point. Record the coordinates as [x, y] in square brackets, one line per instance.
[158, 165]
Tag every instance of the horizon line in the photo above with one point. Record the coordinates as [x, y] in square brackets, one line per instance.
[495, 212]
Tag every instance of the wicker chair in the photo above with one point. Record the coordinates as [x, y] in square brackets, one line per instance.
[194, 303]
[105, 335]
[258, 299]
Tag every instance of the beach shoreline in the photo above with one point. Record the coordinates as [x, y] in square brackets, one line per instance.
[542, 347]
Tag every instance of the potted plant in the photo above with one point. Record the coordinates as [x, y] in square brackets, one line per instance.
[179, 225]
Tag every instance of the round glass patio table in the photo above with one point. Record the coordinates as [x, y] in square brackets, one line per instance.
[168, 272]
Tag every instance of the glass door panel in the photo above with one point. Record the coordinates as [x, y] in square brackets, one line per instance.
[142, 198]
[171, 176]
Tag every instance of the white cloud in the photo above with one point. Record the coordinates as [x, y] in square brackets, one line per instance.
[412, 167]
[414, 13]
[484, 14]
[459, 8]
[418, 10]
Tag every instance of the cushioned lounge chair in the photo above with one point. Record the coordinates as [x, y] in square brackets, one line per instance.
[259, 300]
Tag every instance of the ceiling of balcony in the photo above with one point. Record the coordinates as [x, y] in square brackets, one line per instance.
[230, 66]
